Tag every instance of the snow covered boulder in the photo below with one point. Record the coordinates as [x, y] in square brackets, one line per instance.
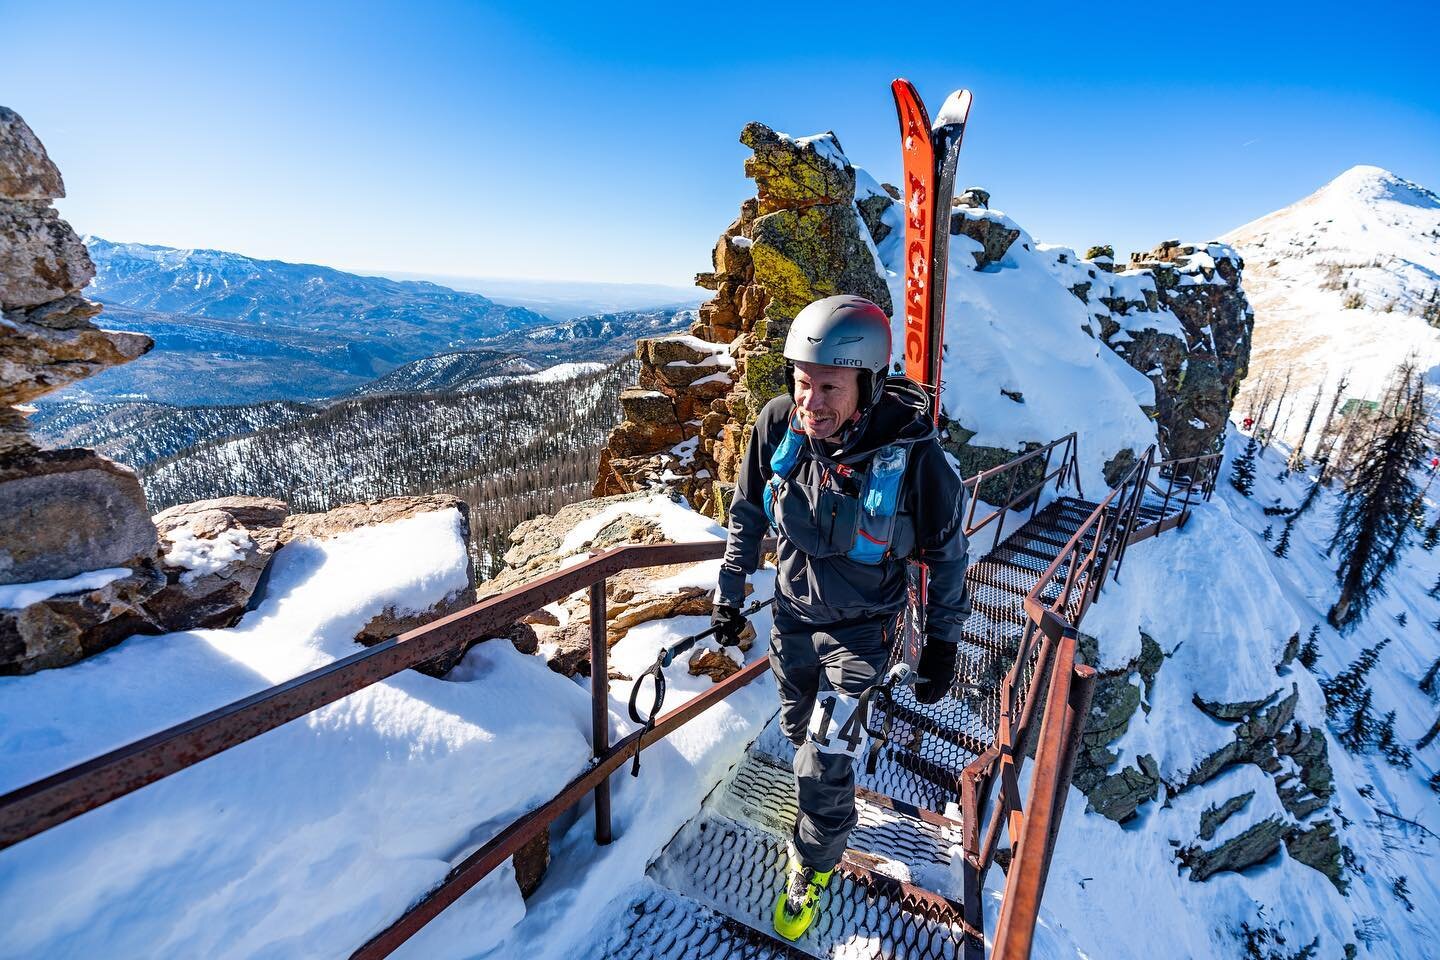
[393, 619]
[214, 553]
[633, 597]
[54, 623]
[995, 232]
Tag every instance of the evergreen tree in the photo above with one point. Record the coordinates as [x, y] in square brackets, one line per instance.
[1296, 460]
[1432, 535]
[1362, 729]
[1434, 591]
[1427, 682]
[1395, 752]
[1282, 548]
[1330, 432]
[1372, 527]
[1434, 781]
[1275, 419]
[1310, 650]
[1344, 689]
[1242, 471]
[1269, 533]
[1402, 618]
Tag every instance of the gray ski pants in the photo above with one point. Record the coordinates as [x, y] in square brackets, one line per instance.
[849, 657]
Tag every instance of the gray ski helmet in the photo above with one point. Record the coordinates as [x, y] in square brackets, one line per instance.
[843, 331]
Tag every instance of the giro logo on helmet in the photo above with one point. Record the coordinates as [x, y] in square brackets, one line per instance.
[845, 362]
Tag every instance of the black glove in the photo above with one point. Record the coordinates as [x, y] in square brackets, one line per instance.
[728, 623]
[937, 671]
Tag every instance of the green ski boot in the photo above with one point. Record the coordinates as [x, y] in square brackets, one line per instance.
[796, 907]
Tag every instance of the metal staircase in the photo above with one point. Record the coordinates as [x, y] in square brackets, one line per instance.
[900, 890]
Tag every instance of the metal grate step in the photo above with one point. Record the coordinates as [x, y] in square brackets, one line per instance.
[737, 869]
[659, 924]
[762, 791]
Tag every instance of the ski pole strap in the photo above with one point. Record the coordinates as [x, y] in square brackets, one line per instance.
[657, 670]
[663, 659]
[877, 695]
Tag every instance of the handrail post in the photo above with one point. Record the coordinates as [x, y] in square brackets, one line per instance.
[1004, 511]
[600, 707]
[1044, 471]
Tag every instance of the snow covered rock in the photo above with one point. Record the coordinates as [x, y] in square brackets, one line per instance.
[994, 232]
[393, 619]
[1178, 315]
[214, 554]
[54, 623]
[633, 597]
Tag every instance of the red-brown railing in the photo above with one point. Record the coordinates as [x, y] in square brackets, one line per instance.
[1045, 659]
[1067, 470]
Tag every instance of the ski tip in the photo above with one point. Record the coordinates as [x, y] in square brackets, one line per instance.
[955, 109]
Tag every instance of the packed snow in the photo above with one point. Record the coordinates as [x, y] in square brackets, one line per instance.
[1016, 328]
[201, 556]
[242, 856]
[14, 596]
[1220, 604]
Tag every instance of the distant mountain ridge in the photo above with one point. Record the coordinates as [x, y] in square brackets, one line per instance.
[231, 329]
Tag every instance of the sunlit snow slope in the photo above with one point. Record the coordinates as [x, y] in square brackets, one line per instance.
[1338, 281]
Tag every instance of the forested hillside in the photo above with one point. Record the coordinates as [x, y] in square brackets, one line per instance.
[512, 449]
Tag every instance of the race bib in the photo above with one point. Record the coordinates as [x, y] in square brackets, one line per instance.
[837, 724]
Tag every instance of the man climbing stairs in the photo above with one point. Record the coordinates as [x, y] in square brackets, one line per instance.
[898, 892]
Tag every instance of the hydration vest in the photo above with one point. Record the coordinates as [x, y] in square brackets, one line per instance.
[879, 491]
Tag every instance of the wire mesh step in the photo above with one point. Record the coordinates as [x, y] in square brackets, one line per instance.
[761, 790]
[660, 924]
[737, 869]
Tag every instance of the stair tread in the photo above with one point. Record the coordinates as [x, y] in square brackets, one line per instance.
[761, 790]
[737, 869]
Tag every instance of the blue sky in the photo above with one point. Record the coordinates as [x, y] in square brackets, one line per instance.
[598, 142]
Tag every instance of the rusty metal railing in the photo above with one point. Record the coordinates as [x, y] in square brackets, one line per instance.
[1052, 618]
[70, 793]
[1067, 470]
[1061, 727]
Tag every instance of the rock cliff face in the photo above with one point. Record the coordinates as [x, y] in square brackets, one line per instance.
[1177, 314]
[801, 237]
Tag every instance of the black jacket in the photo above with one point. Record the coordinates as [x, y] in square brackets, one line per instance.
[815, 513]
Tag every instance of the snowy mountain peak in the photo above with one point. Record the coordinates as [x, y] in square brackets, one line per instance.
[1345, 280]
[1372, 184]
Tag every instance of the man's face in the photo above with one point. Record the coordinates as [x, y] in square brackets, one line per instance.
[827, 397]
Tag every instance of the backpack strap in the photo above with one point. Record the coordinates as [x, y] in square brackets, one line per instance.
[782, 462]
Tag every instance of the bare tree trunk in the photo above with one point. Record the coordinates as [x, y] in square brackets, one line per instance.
[1434, 730]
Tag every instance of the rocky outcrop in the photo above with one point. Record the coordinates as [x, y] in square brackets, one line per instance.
[1177, 314]
[1255, 845]
[213, 554]
[806, 234]
[73, 524]
[80, 622]
[633, 597]
[63, 512]
[48, 340]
